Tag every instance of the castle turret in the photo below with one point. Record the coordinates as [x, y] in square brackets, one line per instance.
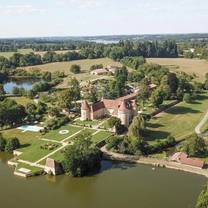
[124, 114]
[134, 107]
[85, 111]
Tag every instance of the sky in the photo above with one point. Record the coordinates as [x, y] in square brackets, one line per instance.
[37, 18]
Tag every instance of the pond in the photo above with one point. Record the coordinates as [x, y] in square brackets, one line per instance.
[25, 83]
[118, 185]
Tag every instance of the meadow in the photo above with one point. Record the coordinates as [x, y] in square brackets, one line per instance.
[85, 68]
[190, 66]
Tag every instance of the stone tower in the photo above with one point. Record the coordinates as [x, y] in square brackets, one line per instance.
[134, 107]
[85, 111]
[124, 114]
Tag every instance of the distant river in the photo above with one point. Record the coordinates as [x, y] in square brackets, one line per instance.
[25, 83]
[119, 185]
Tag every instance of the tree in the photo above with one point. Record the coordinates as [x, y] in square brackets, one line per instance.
[66, 98]
[93, 95]
[173, 82]
[136, 127]
[202, 201]
[11, 113]
[47, 76]
[2, 91]
[2, 143]
[195, 146]
[114, 122]
[156, 98]
[76, 69]
[187, 98]
[75, 89]
[12, 144]
[144, 94]
[82, 157]
[31, 110]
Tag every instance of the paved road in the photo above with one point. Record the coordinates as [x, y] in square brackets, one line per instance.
[201, 124]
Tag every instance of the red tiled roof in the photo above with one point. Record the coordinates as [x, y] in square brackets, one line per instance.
[183, 159]
[178, 155]
[111, 104]
[98, 106]
[192, 162]
[128, 97]
[85, 105]
[100, 71]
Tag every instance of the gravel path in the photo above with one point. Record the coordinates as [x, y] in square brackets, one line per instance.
[201, 124]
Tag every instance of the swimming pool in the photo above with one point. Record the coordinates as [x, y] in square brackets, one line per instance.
[30, 128]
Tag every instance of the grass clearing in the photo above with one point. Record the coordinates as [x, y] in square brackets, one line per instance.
[26, 138]
[85, 69]
[100, 136]
[33, 169]
[190, 66]
[34, 152]
[178, 121]
[55, 135]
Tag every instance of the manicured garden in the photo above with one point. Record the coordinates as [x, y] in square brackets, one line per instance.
[58, 135]
[87, 123]
[37, 150]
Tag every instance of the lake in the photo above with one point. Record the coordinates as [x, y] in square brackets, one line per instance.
[119, 185]
[25, 83]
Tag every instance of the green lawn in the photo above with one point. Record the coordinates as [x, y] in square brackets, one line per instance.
[87, 123]
[55, 135]
[58, 156]
[179, 121]
[149, 109]
[33, 169]
[33, 152]
[25, 138]
[84, 131]
[100, 136]
[205, 127]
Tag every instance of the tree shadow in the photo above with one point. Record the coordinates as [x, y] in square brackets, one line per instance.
[108, 164]
[154, 125]
[151, 135]
[202, 97]
[181, 110]
[25, 145]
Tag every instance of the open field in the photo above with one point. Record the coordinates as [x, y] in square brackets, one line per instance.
[199, 67]
[9, 54]
[178, 121]
[84, 64]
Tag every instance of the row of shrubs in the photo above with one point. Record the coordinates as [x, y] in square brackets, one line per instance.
[135, 146]
[49, 146]
[9, 145]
